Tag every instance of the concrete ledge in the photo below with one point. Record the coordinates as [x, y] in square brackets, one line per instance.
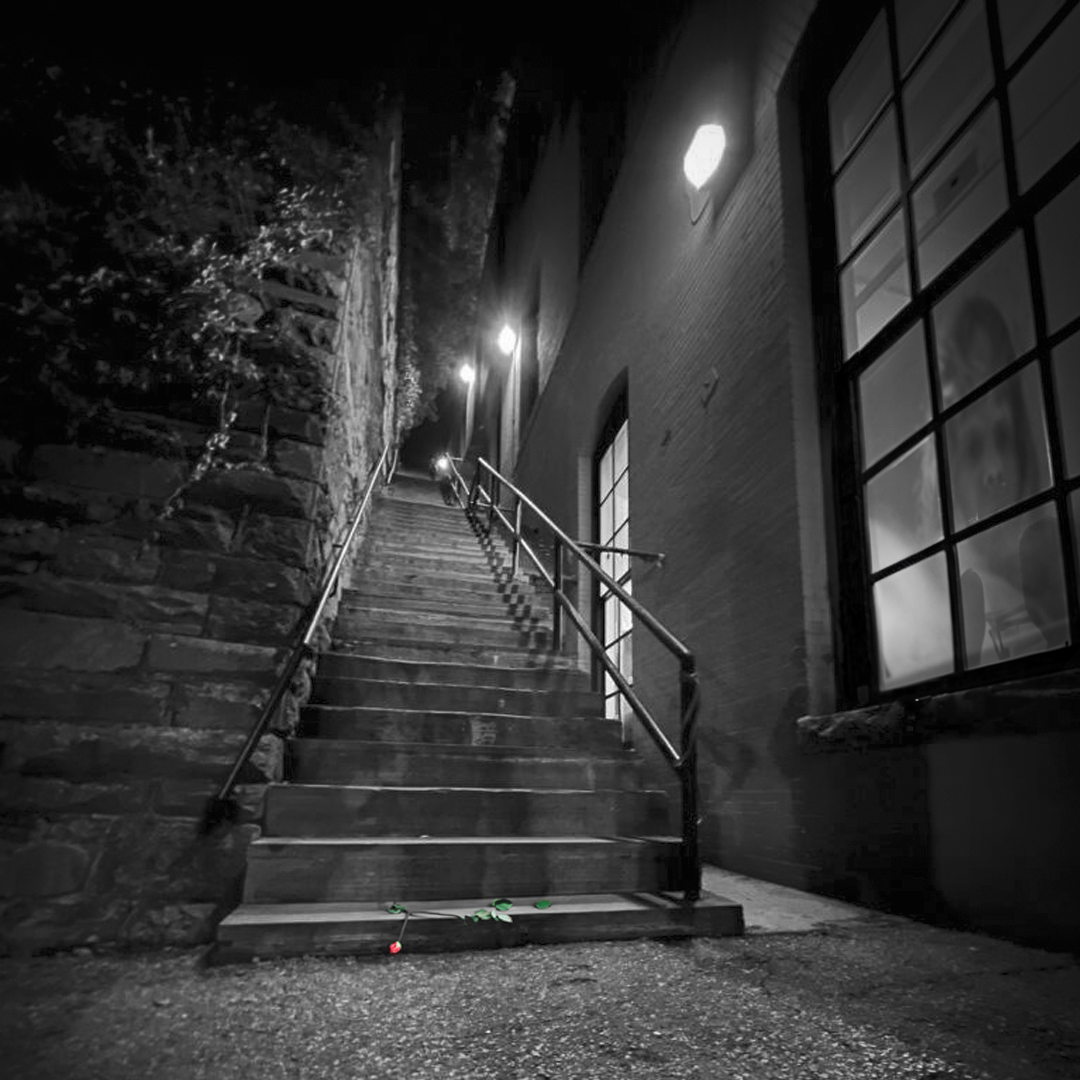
[1045, 703]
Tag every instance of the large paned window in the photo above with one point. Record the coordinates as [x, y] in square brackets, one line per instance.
[953, 166]
[613, 513]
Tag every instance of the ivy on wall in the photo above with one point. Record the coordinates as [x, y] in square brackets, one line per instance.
[138, 234]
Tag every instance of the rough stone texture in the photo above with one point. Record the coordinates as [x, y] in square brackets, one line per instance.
[136, 650]
[250, 620]
[282, 539]
[101, 557]
[1049, 703]
[118, 471]
[30, 639]
[169, 653]
[88, 698]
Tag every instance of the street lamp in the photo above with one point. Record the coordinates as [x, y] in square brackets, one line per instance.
[507, 340]
[467, 374]
[700, 163]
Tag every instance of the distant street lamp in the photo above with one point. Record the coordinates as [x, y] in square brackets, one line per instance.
[467, 373]
[507, 340]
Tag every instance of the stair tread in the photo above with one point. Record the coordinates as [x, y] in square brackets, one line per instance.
[254, 913]
[487, 789]
[507, 754]
[434, 841]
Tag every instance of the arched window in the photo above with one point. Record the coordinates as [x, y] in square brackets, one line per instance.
[612, 487]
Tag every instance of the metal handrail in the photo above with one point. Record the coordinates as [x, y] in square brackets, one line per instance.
[221, 806]
[684, 760]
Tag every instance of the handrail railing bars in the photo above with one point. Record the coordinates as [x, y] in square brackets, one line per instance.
[684, 760]
[221, 807]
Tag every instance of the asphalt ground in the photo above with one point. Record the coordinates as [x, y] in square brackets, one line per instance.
[814, 991]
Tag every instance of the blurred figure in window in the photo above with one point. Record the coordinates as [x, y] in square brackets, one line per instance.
[1012, 582]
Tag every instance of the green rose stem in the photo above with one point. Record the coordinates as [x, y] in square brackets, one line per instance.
[498, 912]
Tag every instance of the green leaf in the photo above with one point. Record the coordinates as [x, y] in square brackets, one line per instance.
[396, 909]
[483, 913]
[502, 905]
[542, 904]
[502, 917]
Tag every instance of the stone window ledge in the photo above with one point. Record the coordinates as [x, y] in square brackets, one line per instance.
[1044, 703]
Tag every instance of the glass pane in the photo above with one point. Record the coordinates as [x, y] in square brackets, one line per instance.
[894, 395]
[619, 449]
[875, 286]
[948, 84]
[1045, 103]
[961, 196]
[998, 451]
[622, 562]
[1074, 502]
[916, 22]
[1013, 589]
[902, 508]
[914, 624]
[611, 702]
[868, 184]
[607, 527]
[1021, 20]
[859, 92]
[605, 472]
[611, 618]
[984, 322]
[1058, 231]
[622, 500]
[626, 661]
[626, 619]
[1067, 395]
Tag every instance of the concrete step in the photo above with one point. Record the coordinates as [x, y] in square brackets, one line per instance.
[326, 810]
[415, 672]
[304, 870]
[368, 929]
[450, 729]
[487, 596]
[345, 761]
[375, 694]
[380, 607]
[492, 606]
[405, 646]
[487, 635]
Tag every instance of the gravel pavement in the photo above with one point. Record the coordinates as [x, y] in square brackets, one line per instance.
[866, 1000]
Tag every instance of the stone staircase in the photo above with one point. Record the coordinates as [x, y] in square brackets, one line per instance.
[448, 758]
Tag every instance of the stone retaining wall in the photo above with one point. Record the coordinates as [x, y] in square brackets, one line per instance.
[135, 653]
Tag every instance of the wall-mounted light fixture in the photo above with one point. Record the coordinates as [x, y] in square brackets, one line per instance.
[507, 340]
[700, 164]
[467, 374]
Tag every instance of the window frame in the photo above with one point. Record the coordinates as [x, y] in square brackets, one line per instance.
[824, 56]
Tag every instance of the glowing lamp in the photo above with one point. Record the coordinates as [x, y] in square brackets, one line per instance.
[466, 373]
[507, 340]
[443, 464]
[703, 157]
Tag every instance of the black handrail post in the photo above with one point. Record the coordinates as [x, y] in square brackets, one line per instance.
[517, 538]
[556, 596]
[691, 850]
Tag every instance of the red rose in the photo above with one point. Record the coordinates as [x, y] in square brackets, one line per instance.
[396, 947]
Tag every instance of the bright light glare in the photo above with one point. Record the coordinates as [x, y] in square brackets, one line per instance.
[507, 340]
[466, 373]
[443, 464]
[706, 150]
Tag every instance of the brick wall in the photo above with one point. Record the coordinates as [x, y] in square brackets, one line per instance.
[136, 652]
[713, 325]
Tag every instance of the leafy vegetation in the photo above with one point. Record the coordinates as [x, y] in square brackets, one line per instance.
[138, 235]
